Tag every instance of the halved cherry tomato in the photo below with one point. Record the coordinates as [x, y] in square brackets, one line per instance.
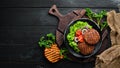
[78, 33]
[80, 38]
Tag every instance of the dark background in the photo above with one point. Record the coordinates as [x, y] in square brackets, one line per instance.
[23, 22]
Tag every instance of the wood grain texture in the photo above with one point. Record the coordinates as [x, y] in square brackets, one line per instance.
[32, 16]
[20, 25]
[23, 22]
[59, 3]
[23, 34]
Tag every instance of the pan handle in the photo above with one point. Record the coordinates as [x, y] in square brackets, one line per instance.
[54, 11]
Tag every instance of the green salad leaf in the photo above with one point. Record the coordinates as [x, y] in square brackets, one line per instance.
[71, 34]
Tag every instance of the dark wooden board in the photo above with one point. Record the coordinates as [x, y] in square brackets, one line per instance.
[20, 30]
[25, 25]
[61, 64]
[14, 65]
[22, 22]
[59, 3]
[20, 53]
[33, 16]
[23, 34]
[20, 25]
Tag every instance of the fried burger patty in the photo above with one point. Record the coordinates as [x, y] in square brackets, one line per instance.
[85, 49]
[91, 36]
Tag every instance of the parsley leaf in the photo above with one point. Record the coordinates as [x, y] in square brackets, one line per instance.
[46, 41]
[97, 16]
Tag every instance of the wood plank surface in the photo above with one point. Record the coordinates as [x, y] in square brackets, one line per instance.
[26, 25]
[59, 3]
[23, 34]
[34, 16]
[20, 31]
[23, 22]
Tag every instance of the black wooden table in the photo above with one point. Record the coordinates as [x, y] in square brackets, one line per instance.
[22, 22]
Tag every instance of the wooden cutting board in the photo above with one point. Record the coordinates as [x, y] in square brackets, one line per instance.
[64, 20]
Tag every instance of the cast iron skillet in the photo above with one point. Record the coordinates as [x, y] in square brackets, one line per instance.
[97, 46]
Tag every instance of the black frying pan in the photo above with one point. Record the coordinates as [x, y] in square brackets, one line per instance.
[97, 46]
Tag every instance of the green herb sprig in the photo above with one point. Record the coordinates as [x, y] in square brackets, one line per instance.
[46, 41]
[64, 52]
[97, 16]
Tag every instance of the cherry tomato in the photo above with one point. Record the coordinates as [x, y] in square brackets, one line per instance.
[80, 38]
[78, 33]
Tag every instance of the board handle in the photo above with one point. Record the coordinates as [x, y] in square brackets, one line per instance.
[54, 11]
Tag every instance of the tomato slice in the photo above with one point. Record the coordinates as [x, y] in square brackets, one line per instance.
[80, 38]
[78, 33]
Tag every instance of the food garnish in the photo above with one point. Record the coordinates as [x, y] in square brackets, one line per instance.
[46, 42]
[79, 36]
[82, 37]
[75, 34]
[51, 52]
[98, 17]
